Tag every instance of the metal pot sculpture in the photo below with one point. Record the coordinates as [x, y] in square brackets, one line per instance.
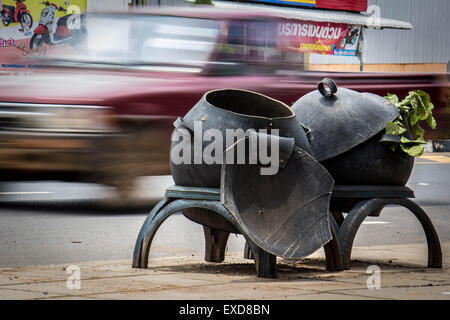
[347, 133]
[229, 109]
[286, 213]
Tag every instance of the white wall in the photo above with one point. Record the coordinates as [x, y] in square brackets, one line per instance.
[427, 42]
[107, 5]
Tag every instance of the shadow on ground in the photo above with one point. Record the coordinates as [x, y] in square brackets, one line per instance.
[286, 269]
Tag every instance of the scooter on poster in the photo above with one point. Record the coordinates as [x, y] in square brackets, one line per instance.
[18, 14]
[51, 31]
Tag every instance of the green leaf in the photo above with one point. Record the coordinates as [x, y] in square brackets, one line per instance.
[431, 121]
[408, 99]
[418, 130]
[406, 141]
[414, 108]
[203, 2]
[424, 96]
[414, 117]
[412, 150]
[423, 112]
[392, 98]
[394, 128]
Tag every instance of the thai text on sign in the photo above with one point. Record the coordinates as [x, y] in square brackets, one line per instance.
[318, 37]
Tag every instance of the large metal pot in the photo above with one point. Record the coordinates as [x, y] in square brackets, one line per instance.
[371, 163]
[232, 109]
[347, 129]
[229, 109]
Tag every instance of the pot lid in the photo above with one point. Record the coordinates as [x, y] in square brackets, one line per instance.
[340, 119]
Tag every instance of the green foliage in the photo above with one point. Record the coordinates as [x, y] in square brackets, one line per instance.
[416, 107]
[209, 2]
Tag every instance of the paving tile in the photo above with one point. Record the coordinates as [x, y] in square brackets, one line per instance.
[190, 277]
[257, 291]
[10, 294]
[110, 285]
[330, 296]
[405, 293]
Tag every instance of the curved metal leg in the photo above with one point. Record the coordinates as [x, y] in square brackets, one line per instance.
[265, 262]
[338, 217]
[332, 249]
[144, 230]
[215, 244]
[434, 245]
[362, 209]
[247, 251]
[156, 218]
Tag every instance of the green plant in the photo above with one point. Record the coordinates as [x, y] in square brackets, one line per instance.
[414, 109]
[203, 2]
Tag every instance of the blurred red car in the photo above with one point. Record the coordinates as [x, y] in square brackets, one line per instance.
[104, 111]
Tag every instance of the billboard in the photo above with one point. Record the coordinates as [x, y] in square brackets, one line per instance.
[349, 5]
[318, 37]
[31, 28]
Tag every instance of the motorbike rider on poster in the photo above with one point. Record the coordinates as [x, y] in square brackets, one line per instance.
[55, 31]
[16, 13]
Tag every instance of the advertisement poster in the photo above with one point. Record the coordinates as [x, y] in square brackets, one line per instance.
[348, 5]
[31, 28]
[318, 37]
[299, 3]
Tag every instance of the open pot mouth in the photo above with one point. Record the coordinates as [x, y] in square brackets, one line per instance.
[248, 103]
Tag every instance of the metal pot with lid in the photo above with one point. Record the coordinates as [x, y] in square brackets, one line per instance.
[347, 135]
[275, 211]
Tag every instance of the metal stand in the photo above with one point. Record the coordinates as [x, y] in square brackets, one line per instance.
[363, 201]
[179, 198]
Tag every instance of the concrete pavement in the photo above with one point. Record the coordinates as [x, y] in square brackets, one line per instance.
[402, 275]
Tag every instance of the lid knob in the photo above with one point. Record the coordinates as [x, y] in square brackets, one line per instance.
[327, 87]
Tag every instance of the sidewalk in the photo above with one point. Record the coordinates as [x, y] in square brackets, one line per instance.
[403, 275]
